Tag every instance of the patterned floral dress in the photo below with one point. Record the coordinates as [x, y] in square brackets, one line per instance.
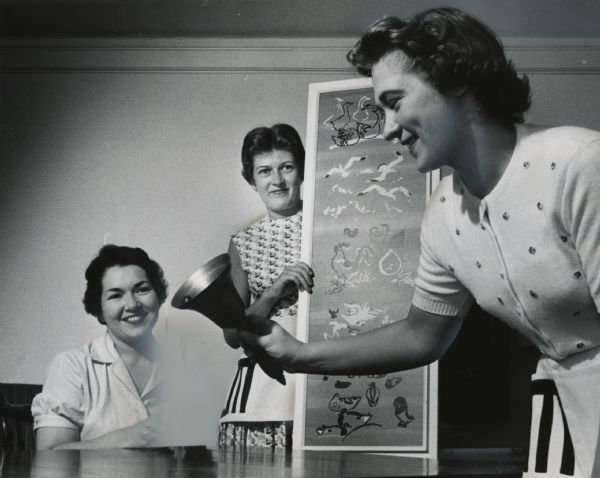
[259, 410]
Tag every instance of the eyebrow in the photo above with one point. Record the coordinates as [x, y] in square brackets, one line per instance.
[137, 284]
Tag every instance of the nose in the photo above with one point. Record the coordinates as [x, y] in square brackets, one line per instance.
[391, 128]
[131, 302]
[277, 177]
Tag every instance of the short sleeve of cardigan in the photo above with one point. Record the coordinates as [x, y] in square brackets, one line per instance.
[580, 209]
[436, 289]
[60, 404]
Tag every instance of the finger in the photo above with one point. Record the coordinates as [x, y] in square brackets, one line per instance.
[302, 279]
[304, 267]
[288, 282]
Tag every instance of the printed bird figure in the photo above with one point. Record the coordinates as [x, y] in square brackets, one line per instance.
[387, 168]
[343, 170]
[391, 193]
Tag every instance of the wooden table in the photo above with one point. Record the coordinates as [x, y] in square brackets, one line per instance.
[259, 463]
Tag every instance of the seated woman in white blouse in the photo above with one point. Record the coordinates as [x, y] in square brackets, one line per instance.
[105, 394]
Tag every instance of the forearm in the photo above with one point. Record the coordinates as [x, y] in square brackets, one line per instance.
[138, 435]
[402, 345]
[122, 438]
[263, 305]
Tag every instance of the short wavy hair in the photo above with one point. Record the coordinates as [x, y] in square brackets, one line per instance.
[455, 51]
[281, 137]
[112, 255]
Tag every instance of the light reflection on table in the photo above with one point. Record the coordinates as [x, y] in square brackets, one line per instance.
[257, 463]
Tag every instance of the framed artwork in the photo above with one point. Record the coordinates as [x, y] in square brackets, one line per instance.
[363, 205]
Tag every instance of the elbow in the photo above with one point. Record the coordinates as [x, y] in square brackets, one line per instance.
[433, 355]
[46, 446]
[430, 351]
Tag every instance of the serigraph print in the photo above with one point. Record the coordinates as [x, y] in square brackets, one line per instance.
[363, 207]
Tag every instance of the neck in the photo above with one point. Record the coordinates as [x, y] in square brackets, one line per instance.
[487, 156]
[287, 213]
[144, 348]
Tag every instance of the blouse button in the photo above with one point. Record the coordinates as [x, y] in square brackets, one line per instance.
[580, 345]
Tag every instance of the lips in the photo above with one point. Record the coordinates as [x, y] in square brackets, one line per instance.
[133, 319]
[408, 140]
[278, 191]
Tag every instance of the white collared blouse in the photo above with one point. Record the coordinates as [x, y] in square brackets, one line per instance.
[89, 389]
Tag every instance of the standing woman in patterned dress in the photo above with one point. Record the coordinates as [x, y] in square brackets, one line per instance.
[268, 274]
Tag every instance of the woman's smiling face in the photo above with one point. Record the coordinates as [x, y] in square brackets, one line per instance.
[129, 303]
[277, 181]
[424, 121]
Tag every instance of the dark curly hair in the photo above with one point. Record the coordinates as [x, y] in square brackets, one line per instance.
[281, 137]
[111, 255]
[455, 51]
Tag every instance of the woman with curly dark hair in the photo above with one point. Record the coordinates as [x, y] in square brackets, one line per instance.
[105, 394]
[515, 228]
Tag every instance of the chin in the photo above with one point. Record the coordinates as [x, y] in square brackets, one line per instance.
[426, 165]
[424, 168]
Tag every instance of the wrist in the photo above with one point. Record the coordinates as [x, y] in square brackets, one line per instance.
[270, 295]
[303, 358]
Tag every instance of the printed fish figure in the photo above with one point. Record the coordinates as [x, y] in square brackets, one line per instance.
[392, 382]
[338, 403]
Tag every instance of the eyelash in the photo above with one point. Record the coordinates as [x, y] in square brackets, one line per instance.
[144, 290]
[394, 104]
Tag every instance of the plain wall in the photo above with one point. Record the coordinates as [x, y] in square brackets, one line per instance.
[137, 143]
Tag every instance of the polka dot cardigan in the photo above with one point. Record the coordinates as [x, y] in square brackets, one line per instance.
[528, 252]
